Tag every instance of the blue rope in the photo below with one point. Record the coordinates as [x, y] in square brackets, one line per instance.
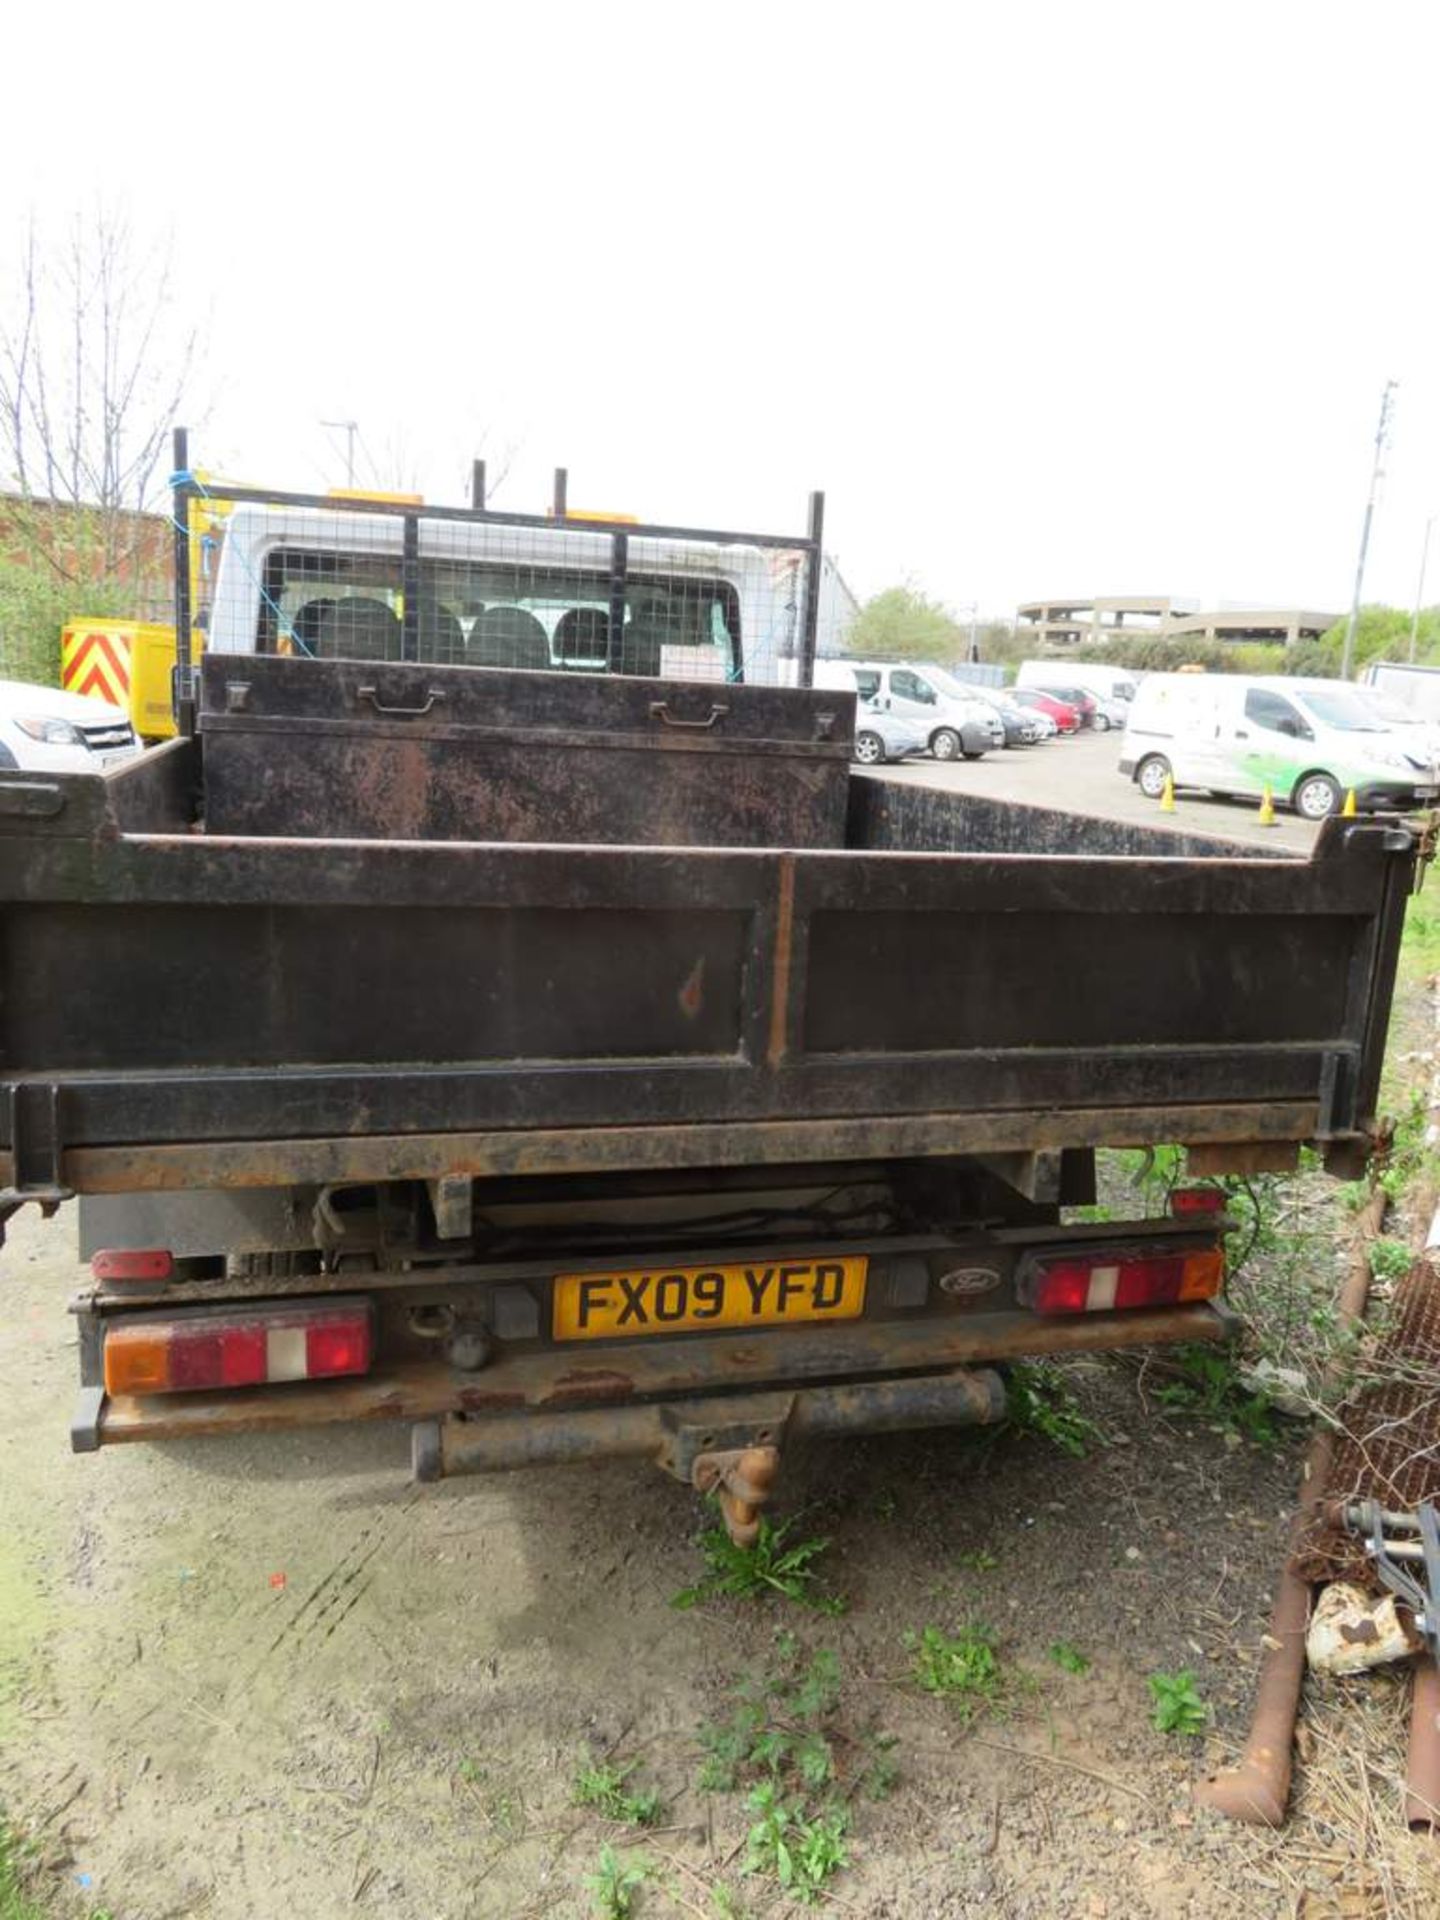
[208, 541]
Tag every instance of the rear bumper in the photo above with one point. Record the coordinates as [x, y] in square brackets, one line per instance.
[664, 1376]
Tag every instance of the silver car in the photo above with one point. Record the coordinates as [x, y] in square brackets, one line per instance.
[881, 736]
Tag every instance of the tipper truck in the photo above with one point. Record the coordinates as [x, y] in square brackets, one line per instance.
[502, 1010]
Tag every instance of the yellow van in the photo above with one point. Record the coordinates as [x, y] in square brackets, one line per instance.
[127, 662]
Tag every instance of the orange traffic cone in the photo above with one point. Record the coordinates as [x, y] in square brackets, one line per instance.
[1347, 812]
[1167, 795]
[1267, 809]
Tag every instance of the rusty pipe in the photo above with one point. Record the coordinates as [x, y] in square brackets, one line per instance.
[1422, 1768]
[1257, 1791]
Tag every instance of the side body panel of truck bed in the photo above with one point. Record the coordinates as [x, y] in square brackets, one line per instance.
[173, 1005]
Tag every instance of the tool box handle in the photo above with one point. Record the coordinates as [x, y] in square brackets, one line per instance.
[432, 694]
[660, 711]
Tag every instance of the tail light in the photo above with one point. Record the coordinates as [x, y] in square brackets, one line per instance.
[1106, 1279]
[133, 1263]
[239, 1347]
[1185, 1202]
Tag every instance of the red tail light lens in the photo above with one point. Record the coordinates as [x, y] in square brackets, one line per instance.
[131, 1263]
[336, 1347]
[243, 1347]
[1107, 1279]
[1188, 1201]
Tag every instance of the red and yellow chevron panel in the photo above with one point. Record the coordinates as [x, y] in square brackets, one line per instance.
[95, 659]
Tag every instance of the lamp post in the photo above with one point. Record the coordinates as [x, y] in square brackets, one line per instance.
[972, 651]
[349, 428]
[1381, 434]
[1420, 589]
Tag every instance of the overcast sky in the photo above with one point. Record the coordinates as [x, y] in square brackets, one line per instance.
[1074, 298]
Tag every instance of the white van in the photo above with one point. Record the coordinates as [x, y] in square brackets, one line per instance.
[1309, 741]
[879, 736]
[1418, 687]
[952, 719]
[1106, 683]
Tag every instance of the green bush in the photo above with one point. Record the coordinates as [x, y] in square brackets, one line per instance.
[35, 603]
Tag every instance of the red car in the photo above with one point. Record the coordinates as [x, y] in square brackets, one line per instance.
[1066, 717]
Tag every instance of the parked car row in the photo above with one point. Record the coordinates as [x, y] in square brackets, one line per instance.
[912, 707]
[1309, 742]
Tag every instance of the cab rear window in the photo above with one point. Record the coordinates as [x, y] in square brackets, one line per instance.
[350, 606]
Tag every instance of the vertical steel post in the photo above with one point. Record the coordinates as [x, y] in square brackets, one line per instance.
[477, 485]
[1420, 589]
[619, 567]
[562, 484]
[1376, 475]
[810, 625]
[410, 588]
[182, 683]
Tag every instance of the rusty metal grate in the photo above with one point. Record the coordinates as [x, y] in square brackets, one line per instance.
[1389, 1449]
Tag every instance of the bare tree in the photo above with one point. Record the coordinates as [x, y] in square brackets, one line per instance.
[94, 366]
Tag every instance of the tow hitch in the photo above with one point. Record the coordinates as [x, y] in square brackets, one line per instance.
[726, 1444]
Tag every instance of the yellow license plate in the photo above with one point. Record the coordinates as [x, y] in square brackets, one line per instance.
[635, 1301]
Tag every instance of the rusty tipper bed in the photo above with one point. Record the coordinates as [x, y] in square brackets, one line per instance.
[574, 1064]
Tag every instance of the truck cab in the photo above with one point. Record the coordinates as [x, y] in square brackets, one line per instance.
[333, 586]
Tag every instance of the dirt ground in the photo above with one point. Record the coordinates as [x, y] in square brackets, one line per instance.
[274, 1678]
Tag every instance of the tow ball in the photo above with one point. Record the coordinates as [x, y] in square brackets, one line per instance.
[742, 1480]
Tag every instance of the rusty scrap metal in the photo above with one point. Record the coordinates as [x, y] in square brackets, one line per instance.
[1257, 1791]
[1422, 1772]
[1396, 1543]
[1351, 1631]
[1385, 1452]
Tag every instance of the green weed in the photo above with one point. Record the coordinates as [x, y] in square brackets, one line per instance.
[1039, 1400]
[1390, 1259]
[776, 1727]
[979, 1560]
[1069, 1659]
[1176, 1706]
[1207, 1384]
[601, 1785]
[799, 1848]
[962, 1668]
[15, 1903]
[780, 1744]
[614, 1885]
[772, 1566]
[503, 1811]
[1420, 946]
